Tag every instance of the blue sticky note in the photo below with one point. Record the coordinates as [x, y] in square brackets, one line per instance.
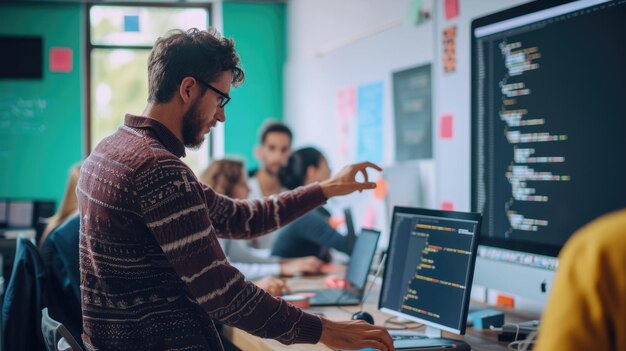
[131, 23]
[370, 122]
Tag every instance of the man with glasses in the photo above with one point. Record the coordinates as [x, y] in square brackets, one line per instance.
[153, 275]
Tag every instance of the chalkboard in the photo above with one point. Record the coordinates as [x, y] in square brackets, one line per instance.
[19, 116]
[41, 119]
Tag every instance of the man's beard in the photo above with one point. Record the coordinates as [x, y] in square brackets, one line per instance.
[271, 171]
[192, 127]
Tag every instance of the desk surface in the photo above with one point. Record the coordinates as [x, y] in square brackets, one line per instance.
[476, 338]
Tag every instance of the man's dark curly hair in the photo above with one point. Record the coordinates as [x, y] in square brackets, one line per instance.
[194, 53]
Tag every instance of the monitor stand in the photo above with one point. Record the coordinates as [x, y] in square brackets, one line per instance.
[429, 339]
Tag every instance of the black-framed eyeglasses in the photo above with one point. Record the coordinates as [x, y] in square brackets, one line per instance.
[224, 97]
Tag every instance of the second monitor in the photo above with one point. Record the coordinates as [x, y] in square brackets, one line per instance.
[429, 270]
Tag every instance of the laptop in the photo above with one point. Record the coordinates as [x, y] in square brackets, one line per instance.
[356, 274]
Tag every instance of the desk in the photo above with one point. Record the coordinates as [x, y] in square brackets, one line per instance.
[481, 340]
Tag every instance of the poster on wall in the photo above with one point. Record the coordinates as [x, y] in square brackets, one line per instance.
[449, 49]
[345, 113]
[370, 122]
[412, 102]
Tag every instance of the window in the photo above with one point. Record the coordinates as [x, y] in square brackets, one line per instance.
[119, 42]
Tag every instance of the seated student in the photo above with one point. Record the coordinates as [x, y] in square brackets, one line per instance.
[272, 153]
[68, 207]
[229, 177]
[587, 306]
[311, 234]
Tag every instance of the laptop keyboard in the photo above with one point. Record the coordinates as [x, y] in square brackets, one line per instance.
[334, 295]
[407, 337]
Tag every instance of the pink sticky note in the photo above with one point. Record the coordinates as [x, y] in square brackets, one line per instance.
[451, 9]
[447, 206]
[445, 126]
[369, 220]
[339, 112]
[351, 102]
[346, 102]
[61, 60]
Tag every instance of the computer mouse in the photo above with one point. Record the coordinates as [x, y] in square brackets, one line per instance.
[363, 316]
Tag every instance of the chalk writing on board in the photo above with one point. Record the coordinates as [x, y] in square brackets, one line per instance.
[20, 115]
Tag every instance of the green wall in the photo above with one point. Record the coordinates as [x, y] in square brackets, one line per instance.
[260, 39]
[40, 120]
[38, 147]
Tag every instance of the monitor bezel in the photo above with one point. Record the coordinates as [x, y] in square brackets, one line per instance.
[470, 216]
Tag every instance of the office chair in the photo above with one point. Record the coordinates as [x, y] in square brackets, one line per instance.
[56, 336]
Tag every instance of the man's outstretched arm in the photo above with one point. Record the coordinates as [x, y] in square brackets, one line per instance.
[244, 219]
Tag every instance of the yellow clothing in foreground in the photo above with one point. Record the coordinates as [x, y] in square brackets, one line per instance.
[587, 306]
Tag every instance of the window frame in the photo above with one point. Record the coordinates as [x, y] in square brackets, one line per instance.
[89, 47]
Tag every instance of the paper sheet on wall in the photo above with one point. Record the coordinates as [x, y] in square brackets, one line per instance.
[61, 60]
[447, 205]
[345, 112]
[449, 49]
[446, 126]
[451, 9]
[369, 218]
[370, 122]
[346, 103]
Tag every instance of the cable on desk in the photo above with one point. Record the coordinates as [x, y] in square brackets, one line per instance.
[519, 345]
[341, 307]
[403, 325]
[524, 345]
[346, 310]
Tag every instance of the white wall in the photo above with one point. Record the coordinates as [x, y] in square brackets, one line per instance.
[337, 44]
[452, 96]
[342, 43]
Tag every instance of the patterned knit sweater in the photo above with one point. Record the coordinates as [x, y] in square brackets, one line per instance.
[153, 275]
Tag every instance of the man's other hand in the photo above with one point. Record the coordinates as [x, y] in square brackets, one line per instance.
[304, 265]
[355, 335]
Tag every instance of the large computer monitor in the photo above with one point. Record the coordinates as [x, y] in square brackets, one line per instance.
[548, 129]
[429, 267]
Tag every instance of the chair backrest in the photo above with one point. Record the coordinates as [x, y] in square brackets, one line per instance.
[56, 336]
[24, 299]
[60, 255]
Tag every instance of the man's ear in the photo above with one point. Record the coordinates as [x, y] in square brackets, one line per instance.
[187, 88]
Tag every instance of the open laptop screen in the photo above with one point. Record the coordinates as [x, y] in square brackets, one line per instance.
[362, 256]
[430, 265]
